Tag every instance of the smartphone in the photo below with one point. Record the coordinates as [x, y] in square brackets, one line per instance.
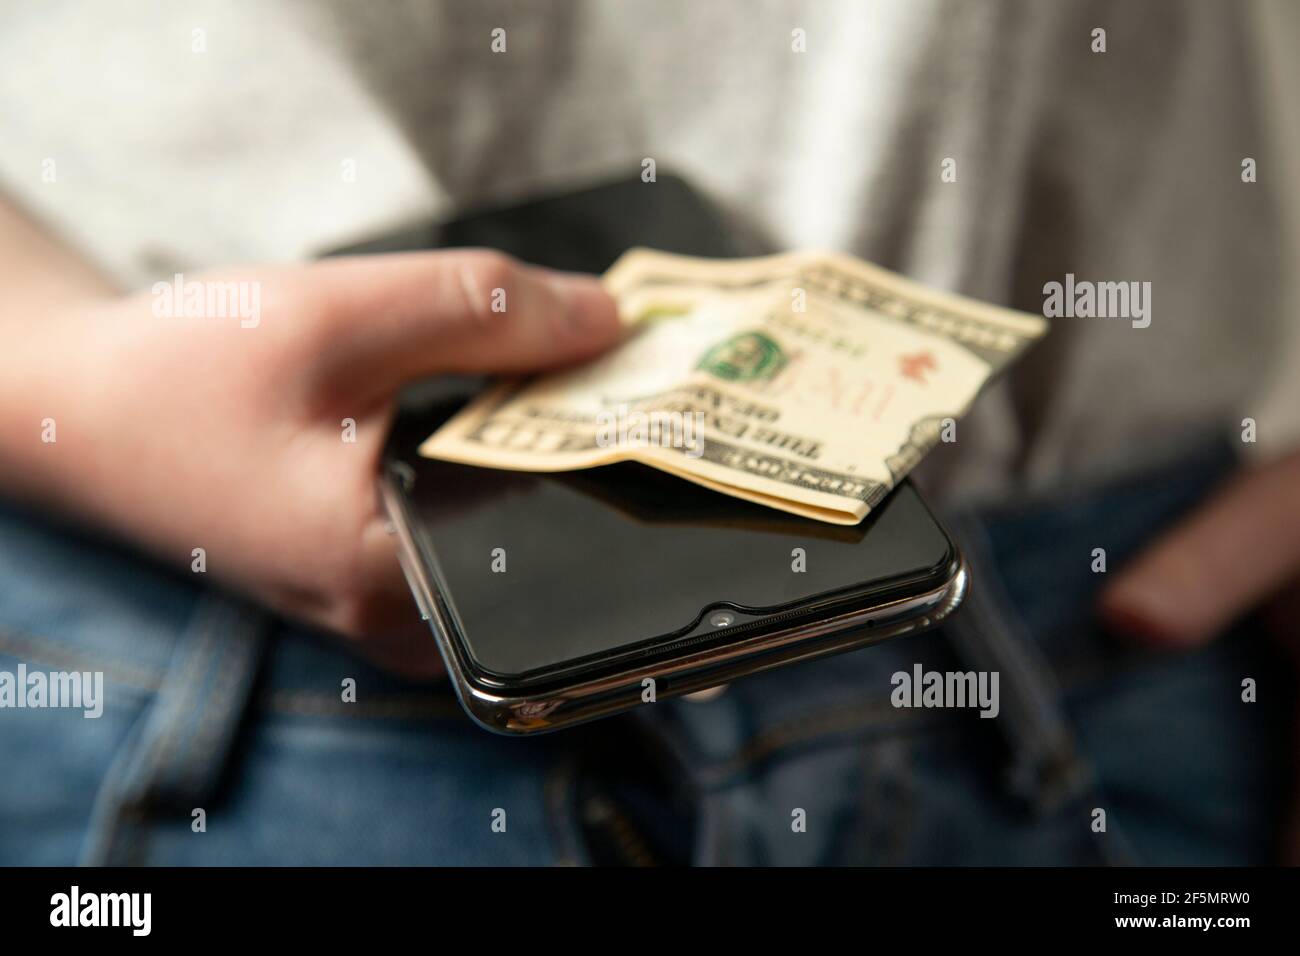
[559, 598]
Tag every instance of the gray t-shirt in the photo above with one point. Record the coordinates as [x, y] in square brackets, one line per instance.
[987, 148]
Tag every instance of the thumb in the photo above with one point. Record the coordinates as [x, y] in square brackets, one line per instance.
[1233, 552]
[392, 318]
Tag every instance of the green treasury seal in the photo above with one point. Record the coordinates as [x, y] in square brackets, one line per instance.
[745, 357]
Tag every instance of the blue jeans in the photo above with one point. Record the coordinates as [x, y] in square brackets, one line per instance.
[212, 705]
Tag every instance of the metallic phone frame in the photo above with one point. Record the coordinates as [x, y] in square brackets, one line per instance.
[504, 711]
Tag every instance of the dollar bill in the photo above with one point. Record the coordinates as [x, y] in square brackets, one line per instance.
[810, 382]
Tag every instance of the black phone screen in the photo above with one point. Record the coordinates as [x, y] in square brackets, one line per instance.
[547, 570]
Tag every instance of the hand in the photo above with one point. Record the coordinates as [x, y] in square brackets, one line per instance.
[1238, 552]
[186, 433]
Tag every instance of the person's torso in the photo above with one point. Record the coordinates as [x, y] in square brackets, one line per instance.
[983, 148]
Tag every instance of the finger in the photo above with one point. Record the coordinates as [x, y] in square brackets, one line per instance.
[1235, 551]
[399, 317]
[392, 632]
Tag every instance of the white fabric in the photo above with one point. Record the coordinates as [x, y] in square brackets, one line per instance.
[189, 133]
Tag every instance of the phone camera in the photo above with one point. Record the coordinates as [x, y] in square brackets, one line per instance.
[722, 619]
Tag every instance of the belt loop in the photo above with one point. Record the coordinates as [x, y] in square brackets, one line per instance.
[988, 635]
[180, 744]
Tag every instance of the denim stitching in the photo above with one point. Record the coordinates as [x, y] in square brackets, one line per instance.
[54, 654]
[827, 723]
